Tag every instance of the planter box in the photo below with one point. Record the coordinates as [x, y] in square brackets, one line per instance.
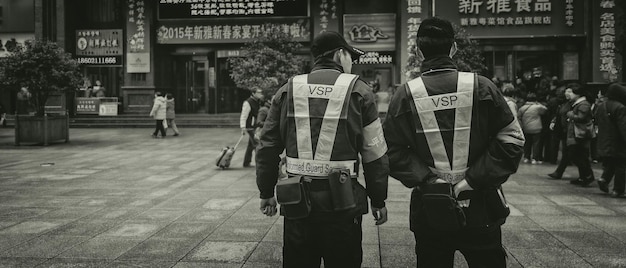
[41, 129]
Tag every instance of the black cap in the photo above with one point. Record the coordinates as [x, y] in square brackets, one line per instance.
[330, 41]
[436, 27]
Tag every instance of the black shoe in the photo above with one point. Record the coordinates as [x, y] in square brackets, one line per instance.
[603, 185]
[555, 176]
[616, 194]
[154, 136]
[176, 134]
[582, 182]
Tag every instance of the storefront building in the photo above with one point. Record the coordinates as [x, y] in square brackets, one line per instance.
[137, 47]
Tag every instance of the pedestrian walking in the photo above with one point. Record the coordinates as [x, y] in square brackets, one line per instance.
[559, 125]
[324, 120]
[509, 93]
[170, 113]
[529, 116]
[247, 122]
[159, 109]
[611, 120]
[3, 116]
[454, 140]
[579, 134]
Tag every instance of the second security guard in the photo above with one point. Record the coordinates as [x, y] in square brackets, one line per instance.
[324, 120]
[454, 140]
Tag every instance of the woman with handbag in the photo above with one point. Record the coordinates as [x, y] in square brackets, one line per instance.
[579, 134]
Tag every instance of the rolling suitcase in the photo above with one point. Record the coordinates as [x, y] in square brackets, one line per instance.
[223, 160]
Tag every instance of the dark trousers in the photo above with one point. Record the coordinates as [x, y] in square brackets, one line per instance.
[614, 167]
[482, 248]
[532, 145]
[252, 143]
[159, 127]
[579, 153]
[593, 150]
[308, 241]
[565, 158]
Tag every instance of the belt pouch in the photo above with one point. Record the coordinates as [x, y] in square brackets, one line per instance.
[497, 207]
[443, 213]
[341, 192]
[293, 197]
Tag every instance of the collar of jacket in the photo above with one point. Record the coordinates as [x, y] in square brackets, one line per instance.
[326, 63]
[437, 62]
[579, 100]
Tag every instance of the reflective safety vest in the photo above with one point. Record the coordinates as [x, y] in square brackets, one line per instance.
[461, 101]
[318, 163]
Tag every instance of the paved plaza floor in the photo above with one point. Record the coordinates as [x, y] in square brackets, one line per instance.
[118, 198]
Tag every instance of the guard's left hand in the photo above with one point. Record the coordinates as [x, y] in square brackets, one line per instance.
[461, 187]
[570, 114]
[268, 206]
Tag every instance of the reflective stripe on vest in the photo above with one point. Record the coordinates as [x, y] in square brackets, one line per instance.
[336, 95]
[461, 101]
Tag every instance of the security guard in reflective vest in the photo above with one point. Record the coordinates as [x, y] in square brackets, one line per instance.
[323, 121]
[453, 139]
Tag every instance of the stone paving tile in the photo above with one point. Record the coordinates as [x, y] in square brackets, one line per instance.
[11, 240]
[32, 227]
[267, 253]
[186, 264]
[206, 215]
[159, 215]
[75, 263]
[222, 251]
[562, 223]
[598, 241]
[20, 262]
[552, 258]
[161, 249]
[531, 240]
[601, 259]
[46, 246]
[398, 256]
[84, 228]
[141, 264]
[133, 230]
[187, 230]
[101, 248]
[240, 231]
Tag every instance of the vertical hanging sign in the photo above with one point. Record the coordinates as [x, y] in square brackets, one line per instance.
[604, 55]
[325, 15]
[412, 12]
[138, 36]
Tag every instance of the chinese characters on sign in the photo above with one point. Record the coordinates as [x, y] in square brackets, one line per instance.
[99, 42]
[138, 36]
[328, 13]
[414, 10]
[509, 12]
[177, 9]
[375, 58]
[569, 13]
[607, 40]
[202, 32]
[87, 105]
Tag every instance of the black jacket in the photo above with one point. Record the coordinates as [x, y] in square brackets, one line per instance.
[276, 136]
[611, 122]
[496, 139]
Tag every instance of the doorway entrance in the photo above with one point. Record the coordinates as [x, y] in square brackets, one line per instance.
[191, 89]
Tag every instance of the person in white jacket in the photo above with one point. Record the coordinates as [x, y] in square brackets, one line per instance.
[158, 112]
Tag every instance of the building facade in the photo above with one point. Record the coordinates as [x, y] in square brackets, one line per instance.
[135, 47]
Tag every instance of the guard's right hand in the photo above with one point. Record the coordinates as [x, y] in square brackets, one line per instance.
[243, 131]
[552, 126]
[380, 215]
[268, 206]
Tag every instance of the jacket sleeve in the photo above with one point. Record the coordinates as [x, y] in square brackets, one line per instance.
[270, 147]
[620, 120]
[584, 113]
[404, 163]
[373, 153]
[155, 107]
[504, 152]
[245, 112]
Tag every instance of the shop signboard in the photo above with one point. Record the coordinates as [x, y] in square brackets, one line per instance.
[606, 62]
[138, 36]
[9, 41]
[99, 47]
[87, 105]
[412, 14]
[515, 18]
[108, 106]
[205, 9]
[370, 32]
[240, 31]
[325, 15]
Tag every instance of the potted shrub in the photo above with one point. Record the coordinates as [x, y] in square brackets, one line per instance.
[44, 68]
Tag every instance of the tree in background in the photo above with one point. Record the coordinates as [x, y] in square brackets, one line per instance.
[268, 63]
[468, 58]
[43, 67]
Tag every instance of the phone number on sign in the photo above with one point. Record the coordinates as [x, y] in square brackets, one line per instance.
[97, 60]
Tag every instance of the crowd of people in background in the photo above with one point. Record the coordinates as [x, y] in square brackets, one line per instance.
[558, 116]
